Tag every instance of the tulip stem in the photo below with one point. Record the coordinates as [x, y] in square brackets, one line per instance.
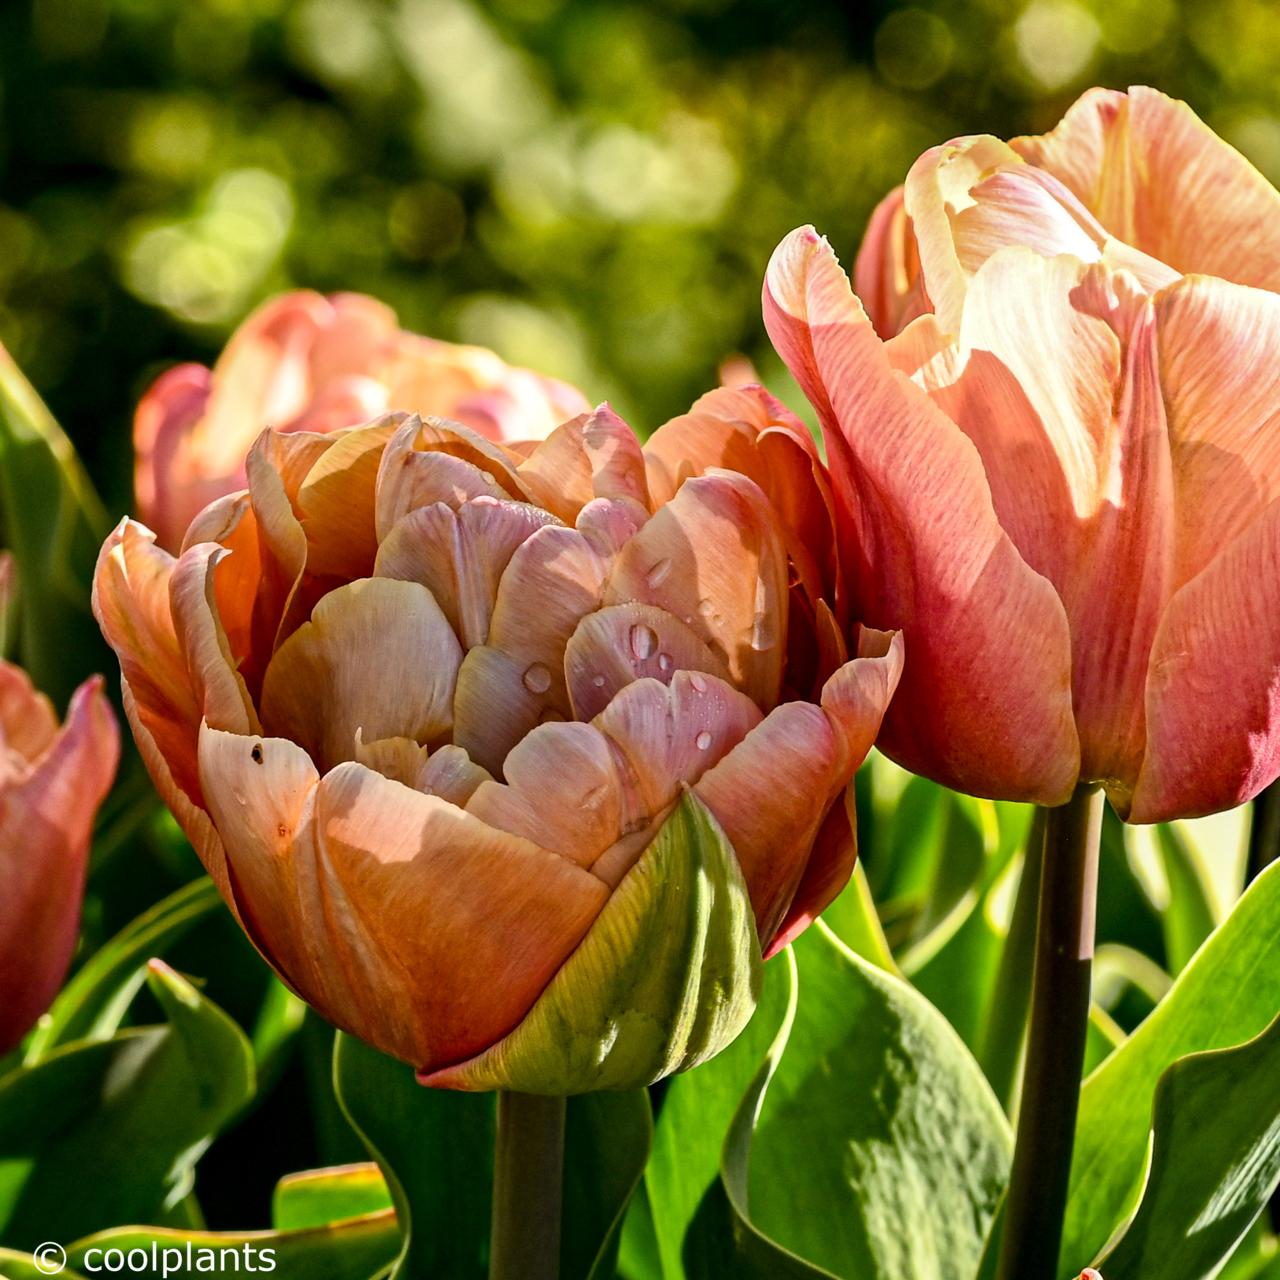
[1055, 1040]
[528, 1174]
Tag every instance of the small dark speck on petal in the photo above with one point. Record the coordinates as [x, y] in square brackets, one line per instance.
[256, 753]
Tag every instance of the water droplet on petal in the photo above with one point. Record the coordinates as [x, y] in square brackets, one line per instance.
[697, 682]
[598, 681]
[537, 679]
[703, 740]
[707, 607]
[644, 640]
[664, 662]
[659, 573]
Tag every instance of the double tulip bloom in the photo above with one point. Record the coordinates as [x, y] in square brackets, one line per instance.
[1052, 430]
[511, 759]
[303, 362]
[52, 780]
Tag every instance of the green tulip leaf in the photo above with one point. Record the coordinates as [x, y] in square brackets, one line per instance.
[1215, 1162]
[1188, 918]
[667, 976]
[53, 523]
[853, 919]
[122, 1121]
[22, 1266]
[92, 1005]
[358, 1248]
[689, 1217]
[881, 1115]
[607, 1141]
[318, 1197]
[435, 1150]
[1227, 994]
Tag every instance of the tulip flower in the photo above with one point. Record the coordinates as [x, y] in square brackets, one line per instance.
[53, 781]
[303, 362]
[510, 760]
[1058, 478]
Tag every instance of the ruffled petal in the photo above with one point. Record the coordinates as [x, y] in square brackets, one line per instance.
[377, 656]
[985, 701]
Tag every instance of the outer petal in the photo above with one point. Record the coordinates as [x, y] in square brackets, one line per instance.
[46, 820]
[1213, 692]
[378, 656]
[1158, 178]
[985, 703]
[28, 724]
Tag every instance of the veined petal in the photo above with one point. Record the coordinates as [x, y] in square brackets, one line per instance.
[615, 458]
[557, 473]
[1159, 179]
[712, 557]
[446, 929]
[985, 702]
[886, 274]
[231, 523]
[460, 556]
[46, 821]
[28, 723]
[1224, 419]
[614, 646]
[1213, 711]
[377, 655]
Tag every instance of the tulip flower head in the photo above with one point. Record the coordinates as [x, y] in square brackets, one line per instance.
[1057, 471]
[503, 756]
[52, 780]
[303, 362]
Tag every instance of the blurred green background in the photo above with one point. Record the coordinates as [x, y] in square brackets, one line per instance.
[592, 188]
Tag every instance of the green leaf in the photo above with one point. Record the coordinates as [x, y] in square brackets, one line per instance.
[1188, 919]
[143, 1105]
[353, 1249]
[1227, 994]
[321, 1196]
[435, 1149]
[92, 1005]
[21, 1266]
[667, 976]
[280, 1018]
[607, 1140]
[880, 1115]
[853, 919]
[54, 524]
[1215, 1162]
[689, 1137]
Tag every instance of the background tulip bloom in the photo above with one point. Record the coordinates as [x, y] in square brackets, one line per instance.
[53, 780]
[434, 711]
[1061, 480]
[303, 362]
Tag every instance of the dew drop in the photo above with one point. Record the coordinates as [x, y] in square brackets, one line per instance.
[644, 640]
[598, 681]
[707, 607]
[703, 740]
[659, 573]
[664, 662]
[537, 679]
[698, 683]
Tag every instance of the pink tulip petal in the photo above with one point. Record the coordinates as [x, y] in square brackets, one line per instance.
[459, 555]
[557, 474]
[28, 722]
[46, 820]
[377, 656]
[713, 558]
[616, 460]
[886, 274]
[231, 523]
[615, 646]
[985, 701]
[452, 775]
[1159, 179]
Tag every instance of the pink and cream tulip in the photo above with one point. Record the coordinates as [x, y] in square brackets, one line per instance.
[511, 760]
[52, 780]
[1060, 477]
[304, 362]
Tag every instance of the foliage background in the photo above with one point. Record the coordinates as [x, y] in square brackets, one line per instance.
[591, 188]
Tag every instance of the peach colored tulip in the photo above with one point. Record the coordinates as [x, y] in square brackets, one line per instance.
[52, 781]
[427, 705]
[303, 362]
[1061, 482]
